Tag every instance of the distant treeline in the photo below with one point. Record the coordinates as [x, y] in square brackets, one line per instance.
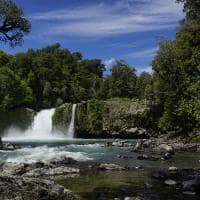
[52, 76]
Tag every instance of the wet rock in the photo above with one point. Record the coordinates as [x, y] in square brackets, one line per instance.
[63, 161]
[111, 167]
[165, 148]
[192, 185]
[7, 146]
[170, 182]
[167, 156]
[146, 157]
[173, 168]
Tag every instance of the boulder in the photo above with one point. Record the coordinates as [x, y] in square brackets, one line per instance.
[165, 148]
[170, 182]
[110, 167]
[9, 146]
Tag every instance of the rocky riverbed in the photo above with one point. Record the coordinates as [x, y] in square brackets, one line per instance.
[54, 177]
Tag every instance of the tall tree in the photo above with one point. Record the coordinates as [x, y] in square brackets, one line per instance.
[122, 80]
[13, 24]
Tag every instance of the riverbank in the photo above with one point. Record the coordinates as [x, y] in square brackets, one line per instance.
[133, 170]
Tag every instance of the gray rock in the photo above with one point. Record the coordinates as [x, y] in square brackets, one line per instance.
[165, 148]
[18, 188]
[173, 168]
[170, 182]
[38, 172]
[138, 146]
[111, 167]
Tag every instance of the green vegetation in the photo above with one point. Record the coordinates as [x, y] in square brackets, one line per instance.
[176, 79]
[13, 23]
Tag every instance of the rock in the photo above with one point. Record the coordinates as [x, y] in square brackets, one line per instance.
[111, 167]
[192, 185]
[39, 172]
[143, 157]
[63, 161]
[170, 182]
[139, 132]
[138, 146]
[166, 148]
[173, 168]
[146, 157]
[9, 146]
[17, 188]
[167, 156]
[129, 198]
[189, 193]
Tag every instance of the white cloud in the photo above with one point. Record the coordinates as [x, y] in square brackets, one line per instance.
[144, 69]
[122, 17]
[108, 63]
[145, 53]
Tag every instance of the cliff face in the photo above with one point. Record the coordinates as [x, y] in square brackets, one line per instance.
[112, 118]
[20, 118]
[61, 117]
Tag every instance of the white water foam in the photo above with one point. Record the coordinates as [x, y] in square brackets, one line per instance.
[44, 153]
[41, 129]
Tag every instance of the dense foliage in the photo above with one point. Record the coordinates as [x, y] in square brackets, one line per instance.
[13, 24]
[176, 79]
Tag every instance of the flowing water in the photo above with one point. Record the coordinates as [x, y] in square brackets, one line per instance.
[71, 128]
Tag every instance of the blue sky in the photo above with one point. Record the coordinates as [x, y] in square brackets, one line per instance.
[105, 29]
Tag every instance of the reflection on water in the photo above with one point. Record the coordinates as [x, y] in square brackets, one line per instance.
[118, 185]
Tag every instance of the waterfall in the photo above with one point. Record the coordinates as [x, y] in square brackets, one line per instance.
[71, 127]
[42, 125]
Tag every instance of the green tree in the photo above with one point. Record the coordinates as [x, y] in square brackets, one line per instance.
[122, 80]
[143, 81]
[13, 91]
[13, 24]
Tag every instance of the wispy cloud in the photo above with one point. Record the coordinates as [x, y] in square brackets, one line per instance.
[144, 69]
[145, 53]
[121, 17]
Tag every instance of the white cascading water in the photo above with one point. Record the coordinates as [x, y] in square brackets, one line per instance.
[71, 127]
[42, 125]
[41, 129]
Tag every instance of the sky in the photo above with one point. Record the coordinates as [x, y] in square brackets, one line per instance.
[106, 29]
